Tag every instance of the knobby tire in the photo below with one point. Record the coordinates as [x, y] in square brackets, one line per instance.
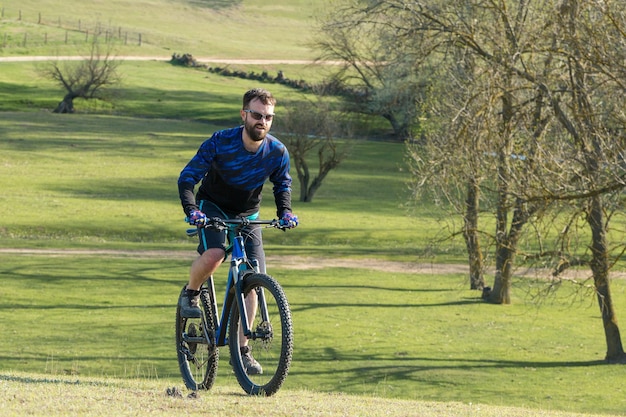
[272, 349]
[197, 361]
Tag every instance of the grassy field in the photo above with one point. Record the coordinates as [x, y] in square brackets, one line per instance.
[206, 28]
[92, 182]
[373, 333]
[93, 334]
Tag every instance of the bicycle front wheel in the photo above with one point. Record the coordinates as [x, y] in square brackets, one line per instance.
[195, 345]
[271, 343]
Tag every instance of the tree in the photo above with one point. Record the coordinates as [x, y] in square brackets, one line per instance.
[546, 93]
[376, 74]
[86, 79]
[594, 64]
[476, 130]
[311, 127]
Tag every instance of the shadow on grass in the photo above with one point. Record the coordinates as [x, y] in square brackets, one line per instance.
[109, 135]
[121, 189]
[90, 307]
[404, 367]
[216, 4]
[38, 381]
[14, 97]
[52, 275]
[297, 308]
[371, 287]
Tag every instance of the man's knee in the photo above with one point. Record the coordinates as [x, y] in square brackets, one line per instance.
[213, 256]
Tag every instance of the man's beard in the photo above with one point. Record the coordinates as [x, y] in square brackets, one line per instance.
[254, 134]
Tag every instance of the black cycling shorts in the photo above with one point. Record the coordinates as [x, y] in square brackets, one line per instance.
[209, 238]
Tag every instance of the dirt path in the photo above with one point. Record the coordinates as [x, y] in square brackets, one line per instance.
[167, 58]
[302, 262]
[292, 262]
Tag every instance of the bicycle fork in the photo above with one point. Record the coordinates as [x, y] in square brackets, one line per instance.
[234, 292]
[239, 263]
[243, 313]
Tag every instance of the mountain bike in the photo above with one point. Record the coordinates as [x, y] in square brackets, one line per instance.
[270, 335]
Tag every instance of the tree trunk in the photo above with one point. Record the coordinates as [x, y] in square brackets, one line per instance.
[501, 291]
[470, 234]
[66, 105]
[303, 175]
[600, 270]
[505, 256]
[400, 130]
[304, 184]
[315, 185]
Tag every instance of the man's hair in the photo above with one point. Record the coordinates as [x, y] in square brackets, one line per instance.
[260, 93]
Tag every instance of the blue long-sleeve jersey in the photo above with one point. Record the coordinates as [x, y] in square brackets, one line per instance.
[232, 177]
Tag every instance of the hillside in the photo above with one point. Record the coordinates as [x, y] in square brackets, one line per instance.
[205, 28]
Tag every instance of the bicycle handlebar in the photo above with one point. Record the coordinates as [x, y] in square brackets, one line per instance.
[225, 224]
[217, 223]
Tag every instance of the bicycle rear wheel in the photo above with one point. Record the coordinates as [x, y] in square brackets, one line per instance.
[272, 339]
[195, 346]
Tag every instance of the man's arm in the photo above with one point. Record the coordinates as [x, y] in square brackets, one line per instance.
[193, 173]
[187, 197]
[282, 186]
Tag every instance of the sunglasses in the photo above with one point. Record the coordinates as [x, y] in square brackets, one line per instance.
[258, 116]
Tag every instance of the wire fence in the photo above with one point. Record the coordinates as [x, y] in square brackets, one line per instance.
[39, 30]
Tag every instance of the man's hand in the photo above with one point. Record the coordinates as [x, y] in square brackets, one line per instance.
[196, 218]
[288, 221]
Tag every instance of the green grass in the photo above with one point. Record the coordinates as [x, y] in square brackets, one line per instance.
[360, 332]
[153, 89]
[108, 182]
[97, 180]
[235, 29]
[94, 334]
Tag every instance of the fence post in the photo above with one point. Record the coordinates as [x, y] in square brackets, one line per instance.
[66, 37]
[25, 39]
[140, 39]
[39, 20]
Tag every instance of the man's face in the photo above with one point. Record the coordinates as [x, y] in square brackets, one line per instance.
[257, 119]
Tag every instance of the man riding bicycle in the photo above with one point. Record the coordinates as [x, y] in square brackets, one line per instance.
[232, 167]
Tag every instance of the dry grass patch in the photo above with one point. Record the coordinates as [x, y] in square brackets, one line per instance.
[38, 395]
